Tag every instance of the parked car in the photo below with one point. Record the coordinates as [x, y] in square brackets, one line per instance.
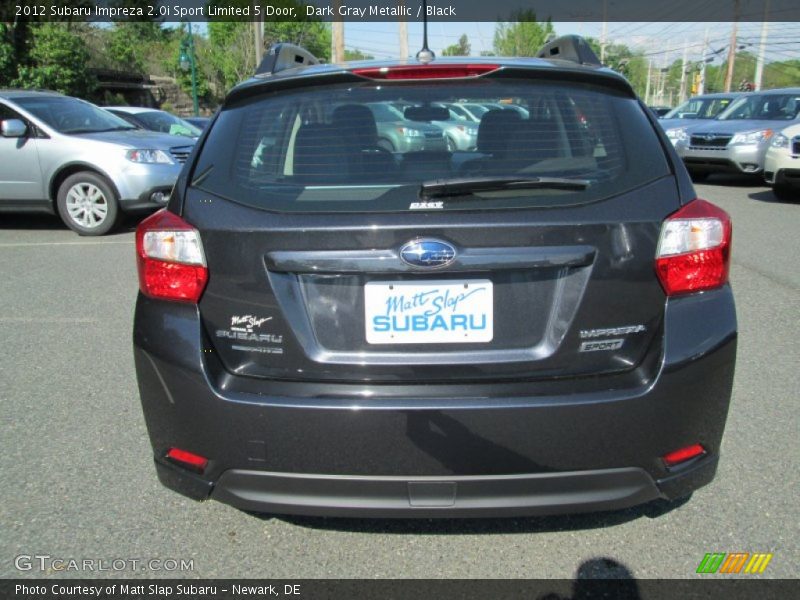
[737, 140]
[459, 134]
[782, 163]
[61, 154]
[693, 112]
[659, 111]
[156, 120]
[398, 134]
[545, 326]
[200, 122]
[460, 113]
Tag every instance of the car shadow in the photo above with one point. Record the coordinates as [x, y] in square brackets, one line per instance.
[545, 524]
[733, 180]
[48, 222]
[769, 197]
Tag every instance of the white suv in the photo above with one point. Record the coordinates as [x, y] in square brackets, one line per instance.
[782, 163]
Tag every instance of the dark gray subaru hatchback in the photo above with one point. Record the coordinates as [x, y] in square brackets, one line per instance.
[333, 321]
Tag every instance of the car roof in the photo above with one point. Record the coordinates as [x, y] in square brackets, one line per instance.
[10, 94]
[133, 110]
[787, 90]
[719, 95]
[550, 65]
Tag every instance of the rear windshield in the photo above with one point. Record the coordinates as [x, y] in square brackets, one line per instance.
[369, 147]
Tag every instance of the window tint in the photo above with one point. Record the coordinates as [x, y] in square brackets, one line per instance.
[351, 148]
[164, 122]
[769, 107]
[70, 115]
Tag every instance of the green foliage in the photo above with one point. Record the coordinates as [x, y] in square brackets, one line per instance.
[8, 63]
[179, 45]
[231, 53]
[314, 36]
[522, 37]
[130, 44]
[462, 48]
[58, 61]
[356, 55]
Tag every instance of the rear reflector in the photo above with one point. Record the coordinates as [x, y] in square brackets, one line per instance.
[440, 71]
[195, 462]
[679, 456]
[170, 258]
[694, 249]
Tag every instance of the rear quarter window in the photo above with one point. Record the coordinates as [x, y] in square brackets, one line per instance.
[355, 147]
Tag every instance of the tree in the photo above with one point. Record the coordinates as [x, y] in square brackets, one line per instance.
[8, 63]
[58, 61]
[356, 55]
[130, 44]
[522, 37]
[230, 51]
[462, 48]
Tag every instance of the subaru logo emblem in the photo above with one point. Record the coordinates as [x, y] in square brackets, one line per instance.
[427, 253]
[710, 136]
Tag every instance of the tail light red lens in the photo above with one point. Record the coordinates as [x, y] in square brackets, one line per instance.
[694, 249]
[170, 258]
[434, 71]
[191, 461]
[680, 456]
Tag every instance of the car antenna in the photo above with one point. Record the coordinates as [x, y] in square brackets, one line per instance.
[425, 55]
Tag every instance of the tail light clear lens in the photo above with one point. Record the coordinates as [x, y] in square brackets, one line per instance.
[694, 249]
[170, 258]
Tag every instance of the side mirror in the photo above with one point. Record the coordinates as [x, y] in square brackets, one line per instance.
[14, 128]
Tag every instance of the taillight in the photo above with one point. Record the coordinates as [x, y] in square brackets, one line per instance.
[170, 258]
[189, 460]
[435, 71]
[683, 454]
[694, 249]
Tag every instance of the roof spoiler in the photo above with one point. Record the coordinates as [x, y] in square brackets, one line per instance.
[285, 56]
[570, 47]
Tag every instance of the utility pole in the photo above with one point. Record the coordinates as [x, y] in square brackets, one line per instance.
[258, 38]
[647, 87]
[732, 48]
[682, 92]
[761, 49]
[403, 27]
[604, 32]
[337, 34]
[701, 88]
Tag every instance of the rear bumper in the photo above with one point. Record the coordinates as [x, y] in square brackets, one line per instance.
[542, 450]
[433, 497]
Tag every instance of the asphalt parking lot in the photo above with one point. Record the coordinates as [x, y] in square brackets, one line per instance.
[78, 480]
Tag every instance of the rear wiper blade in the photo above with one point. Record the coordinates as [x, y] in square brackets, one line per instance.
[459, 186]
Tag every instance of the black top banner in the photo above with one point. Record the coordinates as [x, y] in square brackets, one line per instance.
[410, 10]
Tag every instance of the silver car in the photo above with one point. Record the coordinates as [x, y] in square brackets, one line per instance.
[61, 154]
[694, 111]
[737, 140]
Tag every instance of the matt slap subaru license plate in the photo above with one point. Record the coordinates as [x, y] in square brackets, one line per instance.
[434, 312]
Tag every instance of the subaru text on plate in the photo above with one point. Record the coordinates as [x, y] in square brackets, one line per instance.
[540, 324]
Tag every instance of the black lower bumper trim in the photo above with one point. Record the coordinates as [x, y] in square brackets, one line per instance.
[431, 497]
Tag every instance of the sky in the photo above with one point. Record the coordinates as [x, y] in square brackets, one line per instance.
[662, 41]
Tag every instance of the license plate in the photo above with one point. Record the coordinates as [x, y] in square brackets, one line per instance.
[434, 312]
